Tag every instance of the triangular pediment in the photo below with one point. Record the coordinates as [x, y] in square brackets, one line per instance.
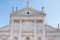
[28, 9]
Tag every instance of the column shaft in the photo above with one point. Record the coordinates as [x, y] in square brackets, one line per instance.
[11, 34]
[19, 38]
[35, 30]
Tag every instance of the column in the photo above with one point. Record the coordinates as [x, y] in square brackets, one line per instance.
[19, 37]
[35, 30]
[11, 34]
[44, 38]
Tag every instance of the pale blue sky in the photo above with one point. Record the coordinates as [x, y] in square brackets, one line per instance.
[52, 9]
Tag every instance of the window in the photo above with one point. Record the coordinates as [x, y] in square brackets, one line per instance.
[27, 12]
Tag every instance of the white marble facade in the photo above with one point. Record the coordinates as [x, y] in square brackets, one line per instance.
[28, 24]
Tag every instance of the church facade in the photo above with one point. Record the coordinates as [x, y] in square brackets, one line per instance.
[29, 24]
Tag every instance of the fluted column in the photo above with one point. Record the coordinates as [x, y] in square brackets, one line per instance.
[19, 37]
[35, 30]
[11, 33]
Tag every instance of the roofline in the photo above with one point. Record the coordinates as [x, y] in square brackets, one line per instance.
[4, 26]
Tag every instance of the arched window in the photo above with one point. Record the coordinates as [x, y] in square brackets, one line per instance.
[27, 38]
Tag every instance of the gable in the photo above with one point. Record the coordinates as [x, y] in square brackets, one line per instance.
[27, 9]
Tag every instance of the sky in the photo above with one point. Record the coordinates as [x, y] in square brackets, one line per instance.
[52, 9]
